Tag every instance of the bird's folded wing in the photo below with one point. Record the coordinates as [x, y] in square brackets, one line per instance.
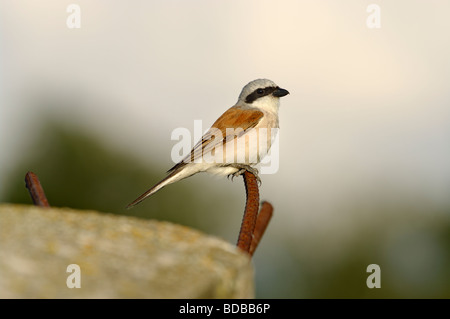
[235, 118]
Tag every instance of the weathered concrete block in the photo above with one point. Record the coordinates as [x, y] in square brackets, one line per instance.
[119, 257]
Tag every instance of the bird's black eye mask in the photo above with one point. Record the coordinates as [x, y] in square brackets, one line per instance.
[260, 92]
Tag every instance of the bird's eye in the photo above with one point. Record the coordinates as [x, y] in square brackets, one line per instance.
[260, 91]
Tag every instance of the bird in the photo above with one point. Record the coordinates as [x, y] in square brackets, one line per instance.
[226, 148]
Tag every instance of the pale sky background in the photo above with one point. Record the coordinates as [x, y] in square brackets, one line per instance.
[368, 107]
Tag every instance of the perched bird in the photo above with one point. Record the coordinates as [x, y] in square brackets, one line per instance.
[228, 148]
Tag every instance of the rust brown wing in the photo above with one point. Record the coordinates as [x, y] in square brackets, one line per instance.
[235, 118]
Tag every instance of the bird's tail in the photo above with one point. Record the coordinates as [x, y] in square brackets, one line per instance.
[174, 176]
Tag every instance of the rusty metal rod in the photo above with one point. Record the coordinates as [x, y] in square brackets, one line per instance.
[264, 216]
[35, 189]
[250, 213]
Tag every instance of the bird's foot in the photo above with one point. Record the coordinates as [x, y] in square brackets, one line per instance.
[243, 169]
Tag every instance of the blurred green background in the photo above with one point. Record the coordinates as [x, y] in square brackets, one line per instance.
[364, 175]
[413, 252]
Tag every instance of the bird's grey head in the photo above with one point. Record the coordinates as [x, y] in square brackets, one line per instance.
[261, 92]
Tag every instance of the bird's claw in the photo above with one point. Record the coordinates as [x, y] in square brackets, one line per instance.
[242, 170]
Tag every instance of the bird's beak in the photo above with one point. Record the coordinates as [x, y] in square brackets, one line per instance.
[279, 92]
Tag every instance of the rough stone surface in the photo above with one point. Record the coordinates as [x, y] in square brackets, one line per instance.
[119, 257]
